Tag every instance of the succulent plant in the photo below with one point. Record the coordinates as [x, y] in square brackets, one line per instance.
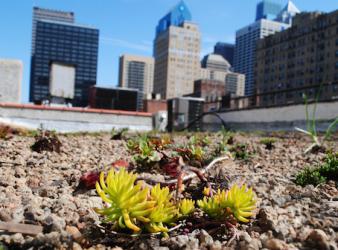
[144, 151]
[238, 201]
[186, 207]
[165, 210]
[132, 207]
[128, 202]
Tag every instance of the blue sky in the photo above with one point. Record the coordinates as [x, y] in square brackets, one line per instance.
[128, 26]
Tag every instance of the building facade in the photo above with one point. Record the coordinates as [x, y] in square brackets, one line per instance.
[137, 72]
[215, 67]
[67, 43]
[299, 60]
[270, 18]
[113, 98]
[176, 53]
[47, 14]
[226, 50]
[215, 62]
[245, 52]
[212, 91]
[10, 80]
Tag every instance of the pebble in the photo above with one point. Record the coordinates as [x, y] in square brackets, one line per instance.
[41, 191]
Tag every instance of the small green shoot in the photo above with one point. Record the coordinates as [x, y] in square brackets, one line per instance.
[268, 142]
[311, 129]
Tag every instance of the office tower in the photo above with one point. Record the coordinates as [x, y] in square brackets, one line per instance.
[268, 9]
[287, 13]
[299, 60]
[226, 50]
[245, 51]
[46, 14]
[62, 42]
[10, 80]
[176, 53]
[137, 72]
[215, 67]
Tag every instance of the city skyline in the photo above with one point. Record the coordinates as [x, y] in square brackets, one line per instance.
[119, 39]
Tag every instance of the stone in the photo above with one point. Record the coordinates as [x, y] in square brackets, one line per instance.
[76, 246]
[265, 220]
[276, 244]
[205, 238]
[5, 215]
[319, 239]
[75, 233]
[184, 242]
[217, 245]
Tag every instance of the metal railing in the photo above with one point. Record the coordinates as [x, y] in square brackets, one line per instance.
[327, 93]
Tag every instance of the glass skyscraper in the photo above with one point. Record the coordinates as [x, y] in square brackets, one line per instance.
[268, 9]
[270, 19]
[226, 50]
[175, 17]
[62, 41]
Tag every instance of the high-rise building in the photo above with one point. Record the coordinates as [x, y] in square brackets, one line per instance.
[175, 17]
[62, 41]
[299, 60]
[226, 50]
[287, 13]
[245, 52]
[216, 68]
[268, 9]
[247, 37]
[10, 80]
[137, 72]
[47, 14]
[176, 53]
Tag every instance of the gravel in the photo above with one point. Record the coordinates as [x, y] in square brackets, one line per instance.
[38, 188]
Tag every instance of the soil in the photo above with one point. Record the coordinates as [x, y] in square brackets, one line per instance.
[38, 188]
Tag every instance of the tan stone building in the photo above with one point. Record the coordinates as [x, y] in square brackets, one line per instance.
[137, 72]
[299, 60]
[10, 80]
[215, 67]
[177, 60]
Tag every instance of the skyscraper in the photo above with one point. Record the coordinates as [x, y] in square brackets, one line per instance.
[57, 39]
[137, 72]
[299, 60]
[247, 37]
[55, 15]
[226, 50]
[287, 13]
[176, 53]
[245, 52]
[268, 9]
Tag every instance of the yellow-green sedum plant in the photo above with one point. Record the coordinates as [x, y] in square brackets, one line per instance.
[238, 201]
[165, 211]
[130, 206]
[128, 203]
[186, 207]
